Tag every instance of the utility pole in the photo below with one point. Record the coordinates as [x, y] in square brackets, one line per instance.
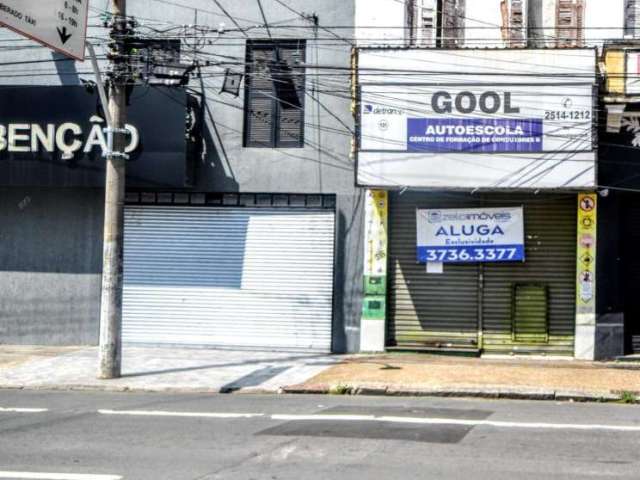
[112, 267]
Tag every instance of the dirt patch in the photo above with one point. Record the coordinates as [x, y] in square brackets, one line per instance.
[428, 371]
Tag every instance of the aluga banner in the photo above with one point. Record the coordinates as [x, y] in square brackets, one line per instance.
[470, 235]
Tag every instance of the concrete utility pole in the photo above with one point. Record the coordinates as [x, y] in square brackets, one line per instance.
[111, 299]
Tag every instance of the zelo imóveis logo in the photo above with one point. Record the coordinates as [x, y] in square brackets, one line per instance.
[435, 216]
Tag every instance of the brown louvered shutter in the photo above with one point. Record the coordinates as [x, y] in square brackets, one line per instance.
[452, 27]
[632, 18]
[260, 103]
[570, 23]
[421, 22]
[516, 24]
[290, 93]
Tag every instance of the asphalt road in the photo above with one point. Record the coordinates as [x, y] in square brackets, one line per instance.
[98, 436]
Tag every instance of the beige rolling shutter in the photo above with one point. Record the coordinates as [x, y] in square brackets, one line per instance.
[427, 310]
[526, 307]
[550, 250]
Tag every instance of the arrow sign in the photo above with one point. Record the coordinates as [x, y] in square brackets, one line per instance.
[58, 24]
[64, 36]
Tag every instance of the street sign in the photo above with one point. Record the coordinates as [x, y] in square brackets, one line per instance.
[57, 24]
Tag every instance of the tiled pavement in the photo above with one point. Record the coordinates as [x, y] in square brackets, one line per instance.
[163, 369]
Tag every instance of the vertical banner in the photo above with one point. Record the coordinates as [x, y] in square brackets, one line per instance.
[372, 328]
[586, 276]
[375, 248]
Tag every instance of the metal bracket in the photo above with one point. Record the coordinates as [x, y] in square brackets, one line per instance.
[116, 155]
[109, 130]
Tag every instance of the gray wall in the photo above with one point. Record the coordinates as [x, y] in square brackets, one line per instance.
[50, 264]
[324, 165]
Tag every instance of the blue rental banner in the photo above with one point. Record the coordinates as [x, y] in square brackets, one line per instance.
[474, 135]
[470, 235]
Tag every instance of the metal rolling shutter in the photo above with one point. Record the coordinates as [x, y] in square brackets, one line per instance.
[427, 310]
[550, 243]
[228, 276]
[631, 240]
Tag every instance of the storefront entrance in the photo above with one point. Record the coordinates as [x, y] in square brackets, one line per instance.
[631, 271]
[238, 277]
[520, 307]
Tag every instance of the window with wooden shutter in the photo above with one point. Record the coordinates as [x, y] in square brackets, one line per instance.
[517, 26]
[570, 23]
[424, 22]
[632, 18]
[452, 23]
[274, 97]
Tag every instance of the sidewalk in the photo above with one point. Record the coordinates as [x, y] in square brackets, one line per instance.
[162, 369]
[419, 374]
[159, 369]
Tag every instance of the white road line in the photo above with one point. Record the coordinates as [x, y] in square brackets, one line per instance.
[326, 417]
[22, 410]
[382, 419]
[58, 476]
[162, 413]
[462, 422]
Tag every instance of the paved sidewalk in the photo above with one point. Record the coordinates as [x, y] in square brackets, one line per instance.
[163, 369]
[160, 369]
[419, 374]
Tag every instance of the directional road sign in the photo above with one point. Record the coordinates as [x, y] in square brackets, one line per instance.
[58, 24]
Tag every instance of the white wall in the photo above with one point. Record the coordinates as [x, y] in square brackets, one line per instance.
[380, 22]
[482, 24]
[600, 14]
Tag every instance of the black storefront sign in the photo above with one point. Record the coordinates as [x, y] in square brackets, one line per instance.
[53, 137]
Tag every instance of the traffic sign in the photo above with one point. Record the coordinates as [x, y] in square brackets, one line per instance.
[57, 24]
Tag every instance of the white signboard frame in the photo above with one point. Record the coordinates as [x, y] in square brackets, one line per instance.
[58, 24]
[476, 119]
[470, 235]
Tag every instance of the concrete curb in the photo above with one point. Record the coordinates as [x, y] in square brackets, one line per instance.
[363, 389]
[459, 392]
[128, 389]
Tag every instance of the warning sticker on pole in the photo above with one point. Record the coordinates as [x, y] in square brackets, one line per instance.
[58, 24]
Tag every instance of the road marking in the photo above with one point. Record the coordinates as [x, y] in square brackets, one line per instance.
[462, 422]
[341, 418]
[162, 413]
[58, 476]
[381, 419]
[22, 410]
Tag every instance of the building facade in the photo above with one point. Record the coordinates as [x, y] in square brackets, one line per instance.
[423, 109]
[335, 176]
[242, 223]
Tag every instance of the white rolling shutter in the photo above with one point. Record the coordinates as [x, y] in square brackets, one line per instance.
[228, 276]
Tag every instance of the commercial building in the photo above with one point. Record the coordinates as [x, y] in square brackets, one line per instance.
[242, 217]
[485, 154]
[474, 202]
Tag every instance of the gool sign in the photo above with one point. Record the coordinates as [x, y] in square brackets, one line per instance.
[476, 118]
[470, 235]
